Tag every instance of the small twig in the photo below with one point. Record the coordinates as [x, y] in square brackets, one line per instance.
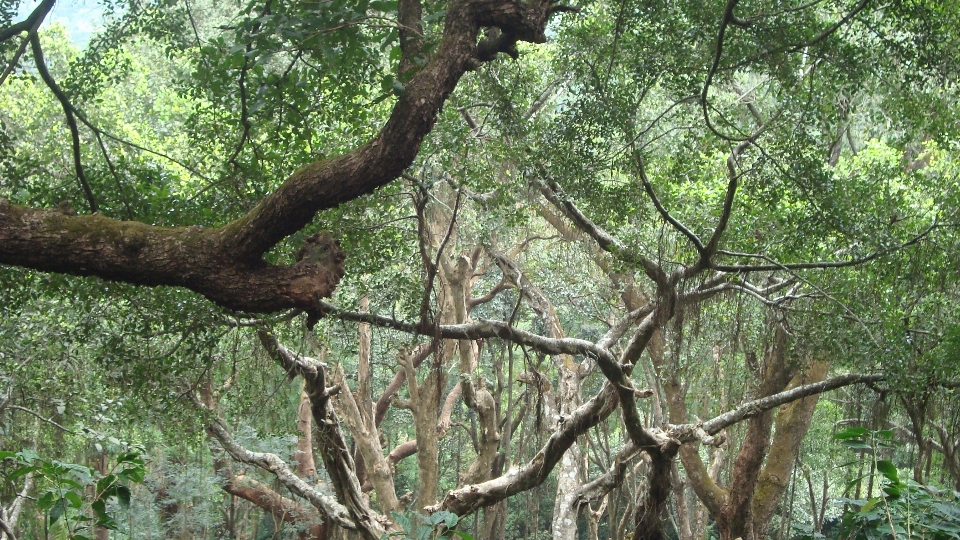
[47, 420]
[16, 58]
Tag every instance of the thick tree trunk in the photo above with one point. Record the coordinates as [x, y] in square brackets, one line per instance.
[649, 522]
[792, 423]
[357, 411]
[306, 465]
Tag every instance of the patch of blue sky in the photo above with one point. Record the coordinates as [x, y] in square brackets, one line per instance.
[81, 18]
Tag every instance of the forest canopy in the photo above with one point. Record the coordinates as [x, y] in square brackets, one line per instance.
[488, 269]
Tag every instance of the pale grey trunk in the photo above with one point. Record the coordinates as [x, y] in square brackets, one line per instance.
[569, 476]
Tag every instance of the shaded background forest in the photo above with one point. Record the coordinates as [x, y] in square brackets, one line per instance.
[727, 216]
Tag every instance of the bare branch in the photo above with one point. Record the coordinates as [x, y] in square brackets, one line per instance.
[728, 18]
[273, 464]
[336, 454]
[687, 432]
[503, 285]
[774, 265]
[600, 486]
[606, 241]
[664, 213]
[481, 329]
[47, 420]
[4, 526]
[468, 499]
[542, 99]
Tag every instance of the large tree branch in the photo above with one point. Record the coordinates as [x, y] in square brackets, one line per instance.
[596, 489]
[280, 507]
[605, 240]
[331, 441]
[688, 432]
[273, 464]
[225, 264]
[467, 499]
[409, 14]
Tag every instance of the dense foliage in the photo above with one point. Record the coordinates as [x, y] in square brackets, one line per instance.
[682, 269]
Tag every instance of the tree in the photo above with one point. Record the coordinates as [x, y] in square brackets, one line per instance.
[690, 162]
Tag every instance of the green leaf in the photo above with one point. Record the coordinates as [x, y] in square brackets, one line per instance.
[59, 530]
[45, 502]
[123, 496]
[129, 457]
[74, 498]
[105, 483]
[888, 469]
[22, 471]
[870, 504]
[857, 445]
[99, 508]
[58, 510]
[134, 475]
[402, 520]
[851, 433]
[28, 456]
[462, 535]
[450, 519]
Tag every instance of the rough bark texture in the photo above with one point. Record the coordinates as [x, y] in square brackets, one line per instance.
[424, 406]
[736, 516]
[761, 469]
[352, 510]
[367, 440]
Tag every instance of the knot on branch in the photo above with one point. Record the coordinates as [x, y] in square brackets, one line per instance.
[669, 447]
[643, 393]
[511, 21]
[318, 271]
[497, 41]
[716, 440]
